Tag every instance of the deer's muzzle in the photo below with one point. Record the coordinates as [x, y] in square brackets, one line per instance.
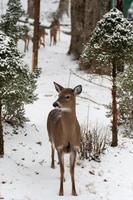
[56, 104]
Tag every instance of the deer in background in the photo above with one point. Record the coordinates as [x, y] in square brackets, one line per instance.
[41, 37]
[54, 29]
[26, 39]
[42, 34]
[64, 130]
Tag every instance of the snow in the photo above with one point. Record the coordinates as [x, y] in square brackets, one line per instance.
[25, 172]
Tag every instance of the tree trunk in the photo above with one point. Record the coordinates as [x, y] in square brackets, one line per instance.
[119, 5]
[114, 109]
[30, 10]
[1, 133]
[63, 8]
[36, 35]
[77, 27]
[105, 6]
[84, 16]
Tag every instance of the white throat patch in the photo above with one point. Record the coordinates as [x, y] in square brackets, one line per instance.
[65, 109]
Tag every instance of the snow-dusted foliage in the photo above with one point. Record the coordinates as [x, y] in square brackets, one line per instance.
[111, 47]
[111, 42]
[17, 83]
[125, 98]
[9, 22]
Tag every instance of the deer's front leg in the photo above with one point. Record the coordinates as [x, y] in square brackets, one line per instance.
[61, 162]
[24, 46]
[52, 156]
[72, 166]
[50, 39]
[44, 40]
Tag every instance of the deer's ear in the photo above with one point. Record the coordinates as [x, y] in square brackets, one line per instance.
[58, 87]
[78, 89]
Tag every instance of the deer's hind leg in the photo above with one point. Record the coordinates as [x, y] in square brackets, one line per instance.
[61, 161]
[50, 39]
[55, 38]
[72, 166]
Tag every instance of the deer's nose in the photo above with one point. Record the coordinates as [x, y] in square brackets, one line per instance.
[56, 104]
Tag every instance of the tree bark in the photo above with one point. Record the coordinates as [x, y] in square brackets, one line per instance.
[77, 27]
[84, 16]
[119, 5]
[114, 109]
[36, 35]
[1, 134]
[105, 6]
[30, 10]
[63, 8]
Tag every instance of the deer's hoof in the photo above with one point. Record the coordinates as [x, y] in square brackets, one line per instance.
[53, 166]
[74, 194]
[61, 193]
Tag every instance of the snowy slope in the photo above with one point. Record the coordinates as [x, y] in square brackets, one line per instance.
[25, 172]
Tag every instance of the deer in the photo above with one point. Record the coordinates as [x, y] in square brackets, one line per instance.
[54, 29]
[26, 39]
[42, 34]
[41, 38]
[64, 131]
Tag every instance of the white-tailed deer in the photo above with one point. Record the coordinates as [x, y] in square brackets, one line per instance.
[41, 37]
[26, 39]
[64, 130]
[42, 34]
[54, 29]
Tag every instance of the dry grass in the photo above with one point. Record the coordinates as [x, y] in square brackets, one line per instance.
[93, 142]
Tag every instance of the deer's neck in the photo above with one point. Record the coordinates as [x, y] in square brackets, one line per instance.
[69, 116]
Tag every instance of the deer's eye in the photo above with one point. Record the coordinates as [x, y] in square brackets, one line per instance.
[67, 97]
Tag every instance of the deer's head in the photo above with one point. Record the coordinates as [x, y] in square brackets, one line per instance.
[66, 97]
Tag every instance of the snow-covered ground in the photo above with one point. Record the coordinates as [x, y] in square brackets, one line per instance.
[25, 172]
[25, 169]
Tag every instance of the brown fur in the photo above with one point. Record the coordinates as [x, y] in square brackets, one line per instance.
[64, 131]
[42, 34]
[26, 40]
[55, 28]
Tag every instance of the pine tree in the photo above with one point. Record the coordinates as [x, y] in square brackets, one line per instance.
[125, 98]
[111, 45]
[17, 85]
[9, 23]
